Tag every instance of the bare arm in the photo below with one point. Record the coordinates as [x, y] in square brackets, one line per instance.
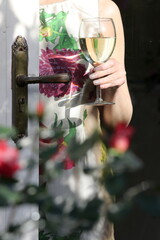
[111, 76]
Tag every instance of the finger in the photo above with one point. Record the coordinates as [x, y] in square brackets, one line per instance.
[109, 71]
[116, 83]
[113, 77]
[106, 79]
[103, 73]
[109, 64]
[91, 70]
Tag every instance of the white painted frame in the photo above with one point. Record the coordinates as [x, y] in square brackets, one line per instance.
[18, 17]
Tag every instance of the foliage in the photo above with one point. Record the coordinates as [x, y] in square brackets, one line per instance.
[60, 217]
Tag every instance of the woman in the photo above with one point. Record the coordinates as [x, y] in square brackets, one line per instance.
[60, 52]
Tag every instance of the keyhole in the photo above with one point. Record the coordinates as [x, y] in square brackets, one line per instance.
[21, 103]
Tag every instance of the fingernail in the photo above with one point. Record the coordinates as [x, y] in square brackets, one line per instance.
[97, 82]
[91, 70]
[92, 76]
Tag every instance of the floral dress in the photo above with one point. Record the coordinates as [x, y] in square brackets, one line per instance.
[65, 103]
[60, 53]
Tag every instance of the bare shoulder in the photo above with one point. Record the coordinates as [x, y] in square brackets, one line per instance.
[109, 8]
[45, 2]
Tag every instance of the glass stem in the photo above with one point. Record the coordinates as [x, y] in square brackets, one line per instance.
[98, 93]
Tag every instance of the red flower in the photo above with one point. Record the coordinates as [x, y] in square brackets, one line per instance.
[62, 155]
[40, 109]
[121, 138]
[8, 160]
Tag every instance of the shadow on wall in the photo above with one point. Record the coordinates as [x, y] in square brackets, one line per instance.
[22, 19]
[19, 17]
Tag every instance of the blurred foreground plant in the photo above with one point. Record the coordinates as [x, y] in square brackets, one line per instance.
[60, 216]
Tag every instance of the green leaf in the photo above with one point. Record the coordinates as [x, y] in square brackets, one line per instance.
[77, 150]
[86, 216]
[9, 182]
[55, 121]
[72, 132]
[44, 15]
[40, 38]
[85, 114]
[118, 211]
[6, 132]
[126, 162]
[36, 195]
[14, 228]
[8, 196]
[44, 236]
[56, 23]
[47, 152]
[115, 184]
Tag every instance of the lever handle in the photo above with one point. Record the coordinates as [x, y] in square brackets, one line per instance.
[56, 78]
[20, 81]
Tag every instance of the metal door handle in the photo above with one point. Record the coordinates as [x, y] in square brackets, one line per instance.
[20, 81]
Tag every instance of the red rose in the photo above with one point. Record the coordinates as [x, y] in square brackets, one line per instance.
[121, 138]
[62, 154]
[8, 160]
[40, 109]
[68, 163]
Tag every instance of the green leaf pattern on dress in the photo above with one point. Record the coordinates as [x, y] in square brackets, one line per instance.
[52, 27]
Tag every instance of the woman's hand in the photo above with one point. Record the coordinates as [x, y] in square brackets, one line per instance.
[108, 74]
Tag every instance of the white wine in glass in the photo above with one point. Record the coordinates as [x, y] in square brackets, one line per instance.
[97, 38]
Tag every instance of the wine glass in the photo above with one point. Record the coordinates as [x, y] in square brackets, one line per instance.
[97, 38]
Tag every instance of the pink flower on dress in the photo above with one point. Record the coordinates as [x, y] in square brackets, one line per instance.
[61, 61]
